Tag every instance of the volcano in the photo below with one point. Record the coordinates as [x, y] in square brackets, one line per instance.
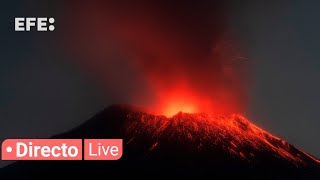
[185, 144]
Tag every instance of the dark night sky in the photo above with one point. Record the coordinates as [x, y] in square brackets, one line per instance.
[282, 41]
[42, 93]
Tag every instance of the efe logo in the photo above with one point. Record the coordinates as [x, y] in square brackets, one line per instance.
[39, 24]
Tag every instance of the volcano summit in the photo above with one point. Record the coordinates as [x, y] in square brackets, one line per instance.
[184, 145]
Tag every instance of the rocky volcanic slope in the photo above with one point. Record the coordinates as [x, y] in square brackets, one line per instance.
[202, 133]
[186, 145]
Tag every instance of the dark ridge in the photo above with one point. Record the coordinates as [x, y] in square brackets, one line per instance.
[186, 145]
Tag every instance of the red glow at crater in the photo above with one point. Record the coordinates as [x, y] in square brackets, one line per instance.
[180, 99]
[175, 107]
[179, 103]
[172, 100]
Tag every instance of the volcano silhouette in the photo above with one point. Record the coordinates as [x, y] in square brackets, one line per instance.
[183, 145]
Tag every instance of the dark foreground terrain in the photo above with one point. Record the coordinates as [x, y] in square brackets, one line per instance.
[185, 145]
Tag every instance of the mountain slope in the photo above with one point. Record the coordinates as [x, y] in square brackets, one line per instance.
[185, 145]
[233, 134]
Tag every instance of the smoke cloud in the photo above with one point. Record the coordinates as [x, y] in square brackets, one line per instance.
[181, 51]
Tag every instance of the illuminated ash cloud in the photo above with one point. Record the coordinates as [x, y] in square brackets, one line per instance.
[185, 53]
[182, 49]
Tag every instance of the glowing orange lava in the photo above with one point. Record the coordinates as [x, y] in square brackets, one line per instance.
[184, 99]
[178, 101]
[176, 107]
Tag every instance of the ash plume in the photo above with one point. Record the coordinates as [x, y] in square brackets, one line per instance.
[182, 51]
